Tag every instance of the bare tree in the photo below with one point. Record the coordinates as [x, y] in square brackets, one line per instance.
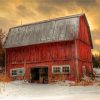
[2, 54]
[96, 61]
[2, 36]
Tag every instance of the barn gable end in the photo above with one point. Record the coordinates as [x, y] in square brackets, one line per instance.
[84, 31]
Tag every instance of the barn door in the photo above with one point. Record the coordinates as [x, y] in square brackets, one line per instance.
[43, 75]
[39, 74]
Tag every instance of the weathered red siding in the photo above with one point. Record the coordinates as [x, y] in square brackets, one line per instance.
[84, 48]
[60, 53]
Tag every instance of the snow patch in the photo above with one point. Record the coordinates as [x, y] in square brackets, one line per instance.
[18, 90]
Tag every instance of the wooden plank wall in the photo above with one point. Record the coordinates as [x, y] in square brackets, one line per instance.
[41, 53]
[50, 54]
[84, 48]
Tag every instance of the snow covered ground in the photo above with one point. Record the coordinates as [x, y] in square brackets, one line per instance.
[97, 72]
[20, 90]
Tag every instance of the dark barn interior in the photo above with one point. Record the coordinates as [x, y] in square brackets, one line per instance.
[39, 75]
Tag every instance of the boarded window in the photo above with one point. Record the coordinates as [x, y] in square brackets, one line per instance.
[17, 72]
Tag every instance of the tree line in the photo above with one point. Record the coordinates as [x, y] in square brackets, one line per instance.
[2, 53]
[96, 60]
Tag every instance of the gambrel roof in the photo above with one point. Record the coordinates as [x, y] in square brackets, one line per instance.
[53, 30]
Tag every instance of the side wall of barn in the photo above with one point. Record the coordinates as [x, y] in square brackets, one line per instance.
[50, 54]
[84, 49]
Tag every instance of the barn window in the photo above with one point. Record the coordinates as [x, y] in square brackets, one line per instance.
[66, 69]
[62, 69]
[17, 72]
[14, 72]
[56, 69]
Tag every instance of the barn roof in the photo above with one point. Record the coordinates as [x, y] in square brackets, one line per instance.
[53, 30]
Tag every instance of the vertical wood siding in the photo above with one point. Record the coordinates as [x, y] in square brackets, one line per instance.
[84, 48]
[41, 53]
[59, 53]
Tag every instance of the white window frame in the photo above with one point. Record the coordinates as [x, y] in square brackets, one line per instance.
[13, 72]
[56, 67]
[61, 69]
[17, 72]
[66, 66]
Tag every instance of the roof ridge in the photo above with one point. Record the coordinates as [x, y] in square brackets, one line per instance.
[53, 19]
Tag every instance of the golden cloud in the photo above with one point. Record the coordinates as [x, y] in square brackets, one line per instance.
[97, 42]
[13, 12]
[95, 52]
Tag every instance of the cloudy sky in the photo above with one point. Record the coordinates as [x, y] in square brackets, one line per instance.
[15, 12]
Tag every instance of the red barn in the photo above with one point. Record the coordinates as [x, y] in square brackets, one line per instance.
[51, 50]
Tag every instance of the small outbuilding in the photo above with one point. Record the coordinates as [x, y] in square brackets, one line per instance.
[52, 50]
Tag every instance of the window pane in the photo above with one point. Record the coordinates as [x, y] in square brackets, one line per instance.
[17, 72]
[56, 69]
[66, 69]
[14, 72]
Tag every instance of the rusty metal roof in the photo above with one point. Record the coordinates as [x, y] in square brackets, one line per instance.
[53, 30]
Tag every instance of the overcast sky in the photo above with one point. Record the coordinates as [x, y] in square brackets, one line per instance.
[15, 12]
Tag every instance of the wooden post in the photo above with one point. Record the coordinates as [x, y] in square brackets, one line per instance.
[25, 70]
[5, 63]
[76, 62]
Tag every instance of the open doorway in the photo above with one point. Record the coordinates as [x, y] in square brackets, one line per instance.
[39, 75]
[34, 74]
